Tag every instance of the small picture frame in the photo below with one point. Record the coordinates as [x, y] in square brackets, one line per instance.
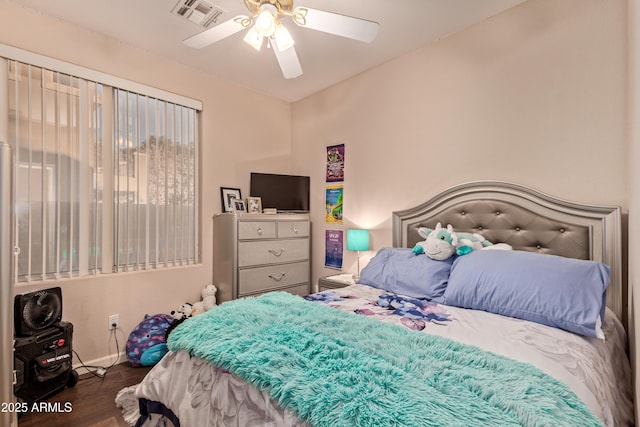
[229, 195]
[239, 206]
[254, 205]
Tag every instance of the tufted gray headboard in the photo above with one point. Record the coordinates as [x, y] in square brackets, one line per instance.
[527, 220]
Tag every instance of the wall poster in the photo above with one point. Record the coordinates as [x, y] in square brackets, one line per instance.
[335, 163]
[333, 204]
[333, 249]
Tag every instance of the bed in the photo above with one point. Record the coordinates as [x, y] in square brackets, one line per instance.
[368, 354]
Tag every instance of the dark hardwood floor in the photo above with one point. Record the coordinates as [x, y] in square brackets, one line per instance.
[92, 401]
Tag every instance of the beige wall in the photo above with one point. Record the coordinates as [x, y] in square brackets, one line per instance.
[535, 95]
[229, 149]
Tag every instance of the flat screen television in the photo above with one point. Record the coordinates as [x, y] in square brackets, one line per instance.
[286, 193]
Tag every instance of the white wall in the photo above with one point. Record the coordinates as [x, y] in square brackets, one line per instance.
[229, 149]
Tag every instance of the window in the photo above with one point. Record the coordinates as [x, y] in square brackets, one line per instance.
[105, 178]
[155, 182]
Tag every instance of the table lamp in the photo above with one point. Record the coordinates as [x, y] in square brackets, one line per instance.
[357, 240]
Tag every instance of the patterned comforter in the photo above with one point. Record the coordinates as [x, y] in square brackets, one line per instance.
[200, 394]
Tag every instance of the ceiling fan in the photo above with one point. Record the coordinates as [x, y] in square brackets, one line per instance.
[265, 24]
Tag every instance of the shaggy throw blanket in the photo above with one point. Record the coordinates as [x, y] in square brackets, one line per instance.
[338, 369]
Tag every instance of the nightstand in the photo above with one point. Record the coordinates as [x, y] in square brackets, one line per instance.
[336, 281]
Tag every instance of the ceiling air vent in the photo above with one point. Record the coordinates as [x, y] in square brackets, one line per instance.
[200, 12]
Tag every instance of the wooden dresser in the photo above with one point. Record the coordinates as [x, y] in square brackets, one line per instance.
[258, 253]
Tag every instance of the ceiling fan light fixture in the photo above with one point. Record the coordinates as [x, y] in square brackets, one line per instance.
[283, 38]
[266, 23]
[254, 38]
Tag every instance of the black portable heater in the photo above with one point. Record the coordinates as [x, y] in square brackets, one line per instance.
[42, 346]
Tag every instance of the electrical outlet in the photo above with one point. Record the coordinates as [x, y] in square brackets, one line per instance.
[113, 322]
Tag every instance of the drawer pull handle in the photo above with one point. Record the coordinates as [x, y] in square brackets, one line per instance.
[278, 278]
[295, 230]
[276, 252]
[259, 231]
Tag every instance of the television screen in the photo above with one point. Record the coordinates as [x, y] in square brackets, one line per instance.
[282, 192]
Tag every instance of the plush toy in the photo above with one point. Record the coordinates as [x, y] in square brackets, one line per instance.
[468, 242]
[189, 310]
[146, 344]
[184, 312]
[208, 294]
[441, 243]
[438, 244]
[209, 297]
[198, 308]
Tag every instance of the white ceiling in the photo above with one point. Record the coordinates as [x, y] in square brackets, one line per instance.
[326, 59]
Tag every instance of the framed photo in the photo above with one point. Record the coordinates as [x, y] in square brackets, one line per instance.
[239, 206]
[254, 205]
[228, 195]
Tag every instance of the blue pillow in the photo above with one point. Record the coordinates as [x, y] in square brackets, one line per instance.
[561, 292]
[401, 271]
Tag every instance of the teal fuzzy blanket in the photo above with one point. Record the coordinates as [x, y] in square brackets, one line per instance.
[334, 369]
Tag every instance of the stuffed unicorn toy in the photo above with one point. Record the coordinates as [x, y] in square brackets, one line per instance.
[468, 242]
[441, 243]
[438, 244]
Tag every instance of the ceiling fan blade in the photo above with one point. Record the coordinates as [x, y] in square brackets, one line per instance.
[333, 23]
[219, 32]
[289, 63]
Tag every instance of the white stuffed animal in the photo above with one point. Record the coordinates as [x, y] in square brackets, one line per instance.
[198, 308]
[206, 304]
[209, 297]
[439, 243]
[208, 300]
[442, 243]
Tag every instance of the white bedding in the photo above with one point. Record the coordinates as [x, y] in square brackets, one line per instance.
[596, 371]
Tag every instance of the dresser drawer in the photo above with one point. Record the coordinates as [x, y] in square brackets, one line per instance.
[272, 252]
[256, 230]
[257, 279]
[288, 229]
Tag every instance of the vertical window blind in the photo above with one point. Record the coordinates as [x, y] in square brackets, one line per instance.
[105, 179]
[155, 171]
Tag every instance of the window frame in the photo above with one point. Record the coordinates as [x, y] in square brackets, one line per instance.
[110, 84]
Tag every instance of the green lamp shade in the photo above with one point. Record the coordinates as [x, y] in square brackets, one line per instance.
[357, 240]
